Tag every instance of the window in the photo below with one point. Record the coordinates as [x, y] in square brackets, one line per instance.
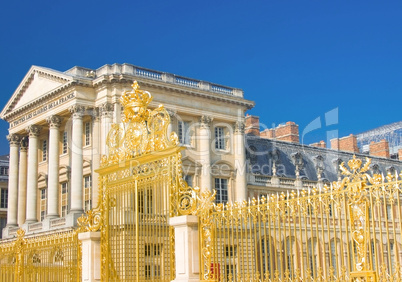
[373, 261]
[87, 192]
[64, 199]
[184, 132]
[87, 129]
[333, 256]
[153, 257]
[4, 199]
[65, 143]
[44, 150]
[312, 257]
[230, 251]
[189, 180]
[265, 256]
[221, 187]
[145, 201]
[58, 257]
[43, 194]
[152, 250]
[389, 212]
[4, 170]
[220, 138]
[392, 257]
[43, 203]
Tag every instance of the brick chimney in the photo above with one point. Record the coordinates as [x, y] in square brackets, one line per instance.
[320, 144]
[288, 132]
[268, 133]
[380, 149]
[252, 125]
[348, 143]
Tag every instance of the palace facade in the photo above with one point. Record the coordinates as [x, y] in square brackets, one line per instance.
[59, 122]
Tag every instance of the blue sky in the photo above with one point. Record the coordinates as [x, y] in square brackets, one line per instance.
[298, 60]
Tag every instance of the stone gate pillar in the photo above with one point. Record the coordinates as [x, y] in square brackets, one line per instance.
[186, 247]
[91, 256]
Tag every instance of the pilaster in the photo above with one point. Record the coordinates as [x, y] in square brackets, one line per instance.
[240, 161]
[77, 160]
[32, 181]
[53, 168]
[14, 140]
[22, 181]
[106, 112]
[205, 152]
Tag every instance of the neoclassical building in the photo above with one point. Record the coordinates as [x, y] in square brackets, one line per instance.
[58, 126]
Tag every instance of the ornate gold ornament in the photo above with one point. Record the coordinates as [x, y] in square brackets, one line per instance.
[142, 131]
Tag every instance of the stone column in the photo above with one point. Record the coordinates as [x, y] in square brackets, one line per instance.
[91, 256]
[106, 110]
[14, 140]
[22, 182]
[172, 115]
[53, 167]
[117, 112]
[77, 160]
[205, 152]
[95, 155]
[186, 247]
[240, 162]
[32, 181]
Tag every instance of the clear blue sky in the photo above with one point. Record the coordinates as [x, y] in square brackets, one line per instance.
[297, 60]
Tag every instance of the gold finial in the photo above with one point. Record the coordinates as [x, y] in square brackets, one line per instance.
[135, 103]
[355, 163]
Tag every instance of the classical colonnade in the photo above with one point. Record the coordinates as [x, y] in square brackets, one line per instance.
[23, 172]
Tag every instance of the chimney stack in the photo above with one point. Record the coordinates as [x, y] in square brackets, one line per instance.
[252, 125]
[288, 132]
[320, 144]
[348, 143]
[380, 149]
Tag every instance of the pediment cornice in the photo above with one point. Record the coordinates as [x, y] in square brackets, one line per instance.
[51, 75]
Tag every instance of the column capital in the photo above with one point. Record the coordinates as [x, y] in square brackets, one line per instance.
[24, 144]
[172, 113]
[94, 112]
[106, 109]
[54, 121]
[33, 130]
[206, 121]
[77, 111]
[239, 127]
[14, 139]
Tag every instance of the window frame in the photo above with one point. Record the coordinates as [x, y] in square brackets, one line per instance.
[64, 147]
[221, 185]
[87, 134]
[3, 198]
[184, 136]
[44, 150]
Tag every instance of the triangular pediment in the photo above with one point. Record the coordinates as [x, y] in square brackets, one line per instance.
[37, 82]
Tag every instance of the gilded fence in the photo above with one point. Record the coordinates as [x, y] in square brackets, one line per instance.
[349, 231]
[55, 257]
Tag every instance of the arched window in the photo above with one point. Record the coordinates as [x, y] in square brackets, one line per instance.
[58, 257]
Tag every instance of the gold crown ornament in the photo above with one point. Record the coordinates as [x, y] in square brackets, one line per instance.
[135, 103]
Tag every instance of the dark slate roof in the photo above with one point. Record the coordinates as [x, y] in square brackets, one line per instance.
[261, 153]
[4, 158]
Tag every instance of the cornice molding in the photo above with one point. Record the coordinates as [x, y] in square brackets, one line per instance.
[104, 80]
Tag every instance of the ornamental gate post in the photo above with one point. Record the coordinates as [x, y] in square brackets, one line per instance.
[355, 182]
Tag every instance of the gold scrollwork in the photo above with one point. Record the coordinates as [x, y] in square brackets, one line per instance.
[142, 130]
